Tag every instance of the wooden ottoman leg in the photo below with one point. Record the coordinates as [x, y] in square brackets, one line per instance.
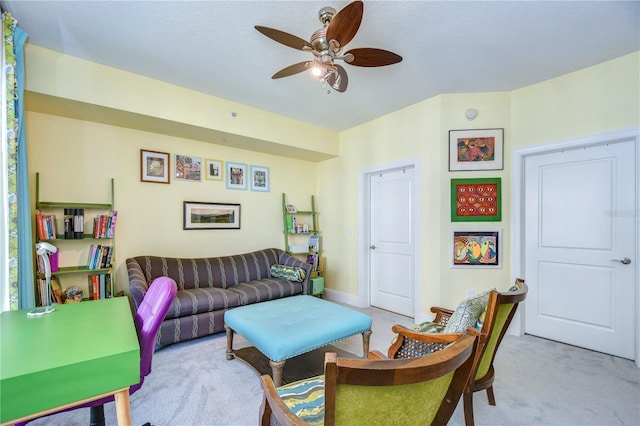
[276, 371]
[366, 337]
[230, 354]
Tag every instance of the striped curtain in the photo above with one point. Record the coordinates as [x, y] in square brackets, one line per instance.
[16, 244]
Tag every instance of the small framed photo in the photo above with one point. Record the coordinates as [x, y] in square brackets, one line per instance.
[260, 178]
[476, 200]
[213, 169]
[476, 249]
[198, 215]
[480, 149]
[291, 208]
[154, 166]
[236, 175]
[188, 168]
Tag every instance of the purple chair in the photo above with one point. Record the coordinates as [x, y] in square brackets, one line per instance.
[148, 318]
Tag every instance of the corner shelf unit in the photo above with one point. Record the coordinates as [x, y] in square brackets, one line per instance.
[297, 236]
[56, 207]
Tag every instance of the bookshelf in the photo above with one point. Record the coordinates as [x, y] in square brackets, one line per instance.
[302, 239]
[87, 241]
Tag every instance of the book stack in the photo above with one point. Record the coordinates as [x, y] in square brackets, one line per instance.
[99, 256]
[100, 286]
[56, 291]
[46, 226]
[73, 224]
[104, 226]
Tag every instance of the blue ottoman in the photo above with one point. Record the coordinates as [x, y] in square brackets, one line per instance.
[284, 328]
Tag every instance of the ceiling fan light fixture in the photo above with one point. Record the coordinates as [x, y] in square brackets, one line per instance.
[316, 71]
[326, 45]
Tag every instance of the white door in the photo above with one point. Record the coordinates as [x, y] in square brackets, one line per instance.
[392, 241]
[578, 227]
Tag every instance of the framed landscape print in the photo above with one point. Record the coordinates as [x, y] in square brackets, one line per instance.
[236, 175]
[154, 166]
[476, 200]
[476, 249]
[213, 169]
[199, 215]
[479, 149]
[260, 178]
[188, 168]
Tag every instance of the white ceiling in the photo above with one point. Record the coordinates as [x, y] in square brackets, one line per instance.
[447, 46]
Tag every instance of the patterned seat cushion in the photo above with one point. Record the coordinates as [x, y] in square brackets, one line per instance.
[428, 327]
[305, 398]
[467, 313]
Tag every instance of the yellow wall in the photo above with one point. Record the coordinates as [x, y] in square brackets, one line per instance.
[597, 99]
[77, 157]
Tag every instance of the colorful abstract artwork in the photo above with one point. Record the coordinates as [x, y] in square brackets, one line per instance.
[475, 149]
[475, 200]
[479, 149]
[476, 248]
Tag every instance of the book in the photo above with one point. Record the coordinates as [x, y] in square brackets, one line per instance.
[108, 288]
[314, 243]
[56, 290]
[102, 286]
[112, 227]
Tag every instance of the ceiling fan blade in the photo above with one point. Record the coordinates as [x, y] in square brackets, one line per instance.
[370, 57]
[339, 83]
[285, 38]
[293, 69]
[344, 26]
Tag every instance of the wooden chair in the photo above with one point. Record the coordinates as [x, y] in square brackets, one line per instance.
[375, 391]
[499, 312]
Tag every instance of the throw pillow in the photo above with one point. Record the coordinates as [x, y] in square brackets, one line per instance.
[291, 273]
[467, 313]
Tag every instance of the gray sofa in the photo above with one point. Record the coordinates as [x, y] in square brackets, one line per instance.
[208, 287]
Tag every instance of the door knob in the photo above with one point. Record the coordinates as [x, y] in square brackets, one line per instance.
[373, 247]
[624, 260]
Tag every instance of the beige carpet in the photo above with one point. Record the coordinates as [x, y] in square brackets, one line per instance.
[538, 382]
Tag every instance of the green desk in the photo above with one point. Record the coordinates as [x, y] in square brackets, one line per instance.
[78, 353]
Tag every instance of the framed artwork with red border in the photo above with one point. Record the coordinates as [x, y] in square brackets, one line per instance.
[476, 200]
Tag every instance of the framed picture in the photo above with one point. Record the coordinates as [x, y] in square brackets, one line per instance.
[199, 215]
[213, 169]
[236, 175]
[291, 208]
[260, 178]
[188, 168]
[476, 249]
[480, 149]
[476, 200]
[154, 166]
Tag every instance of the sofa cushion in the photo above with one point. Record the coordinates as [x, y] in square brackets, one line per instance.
[198, 300]
[305, 398]
[266, 289]
[467, 313]
[291, 273]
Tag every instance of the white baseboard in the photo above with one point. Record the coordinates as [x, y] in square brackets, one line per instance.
[340, 297]
[349, 299]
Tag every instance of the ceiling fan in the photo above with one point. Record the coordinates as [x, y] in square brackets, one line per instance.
[327, 45]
